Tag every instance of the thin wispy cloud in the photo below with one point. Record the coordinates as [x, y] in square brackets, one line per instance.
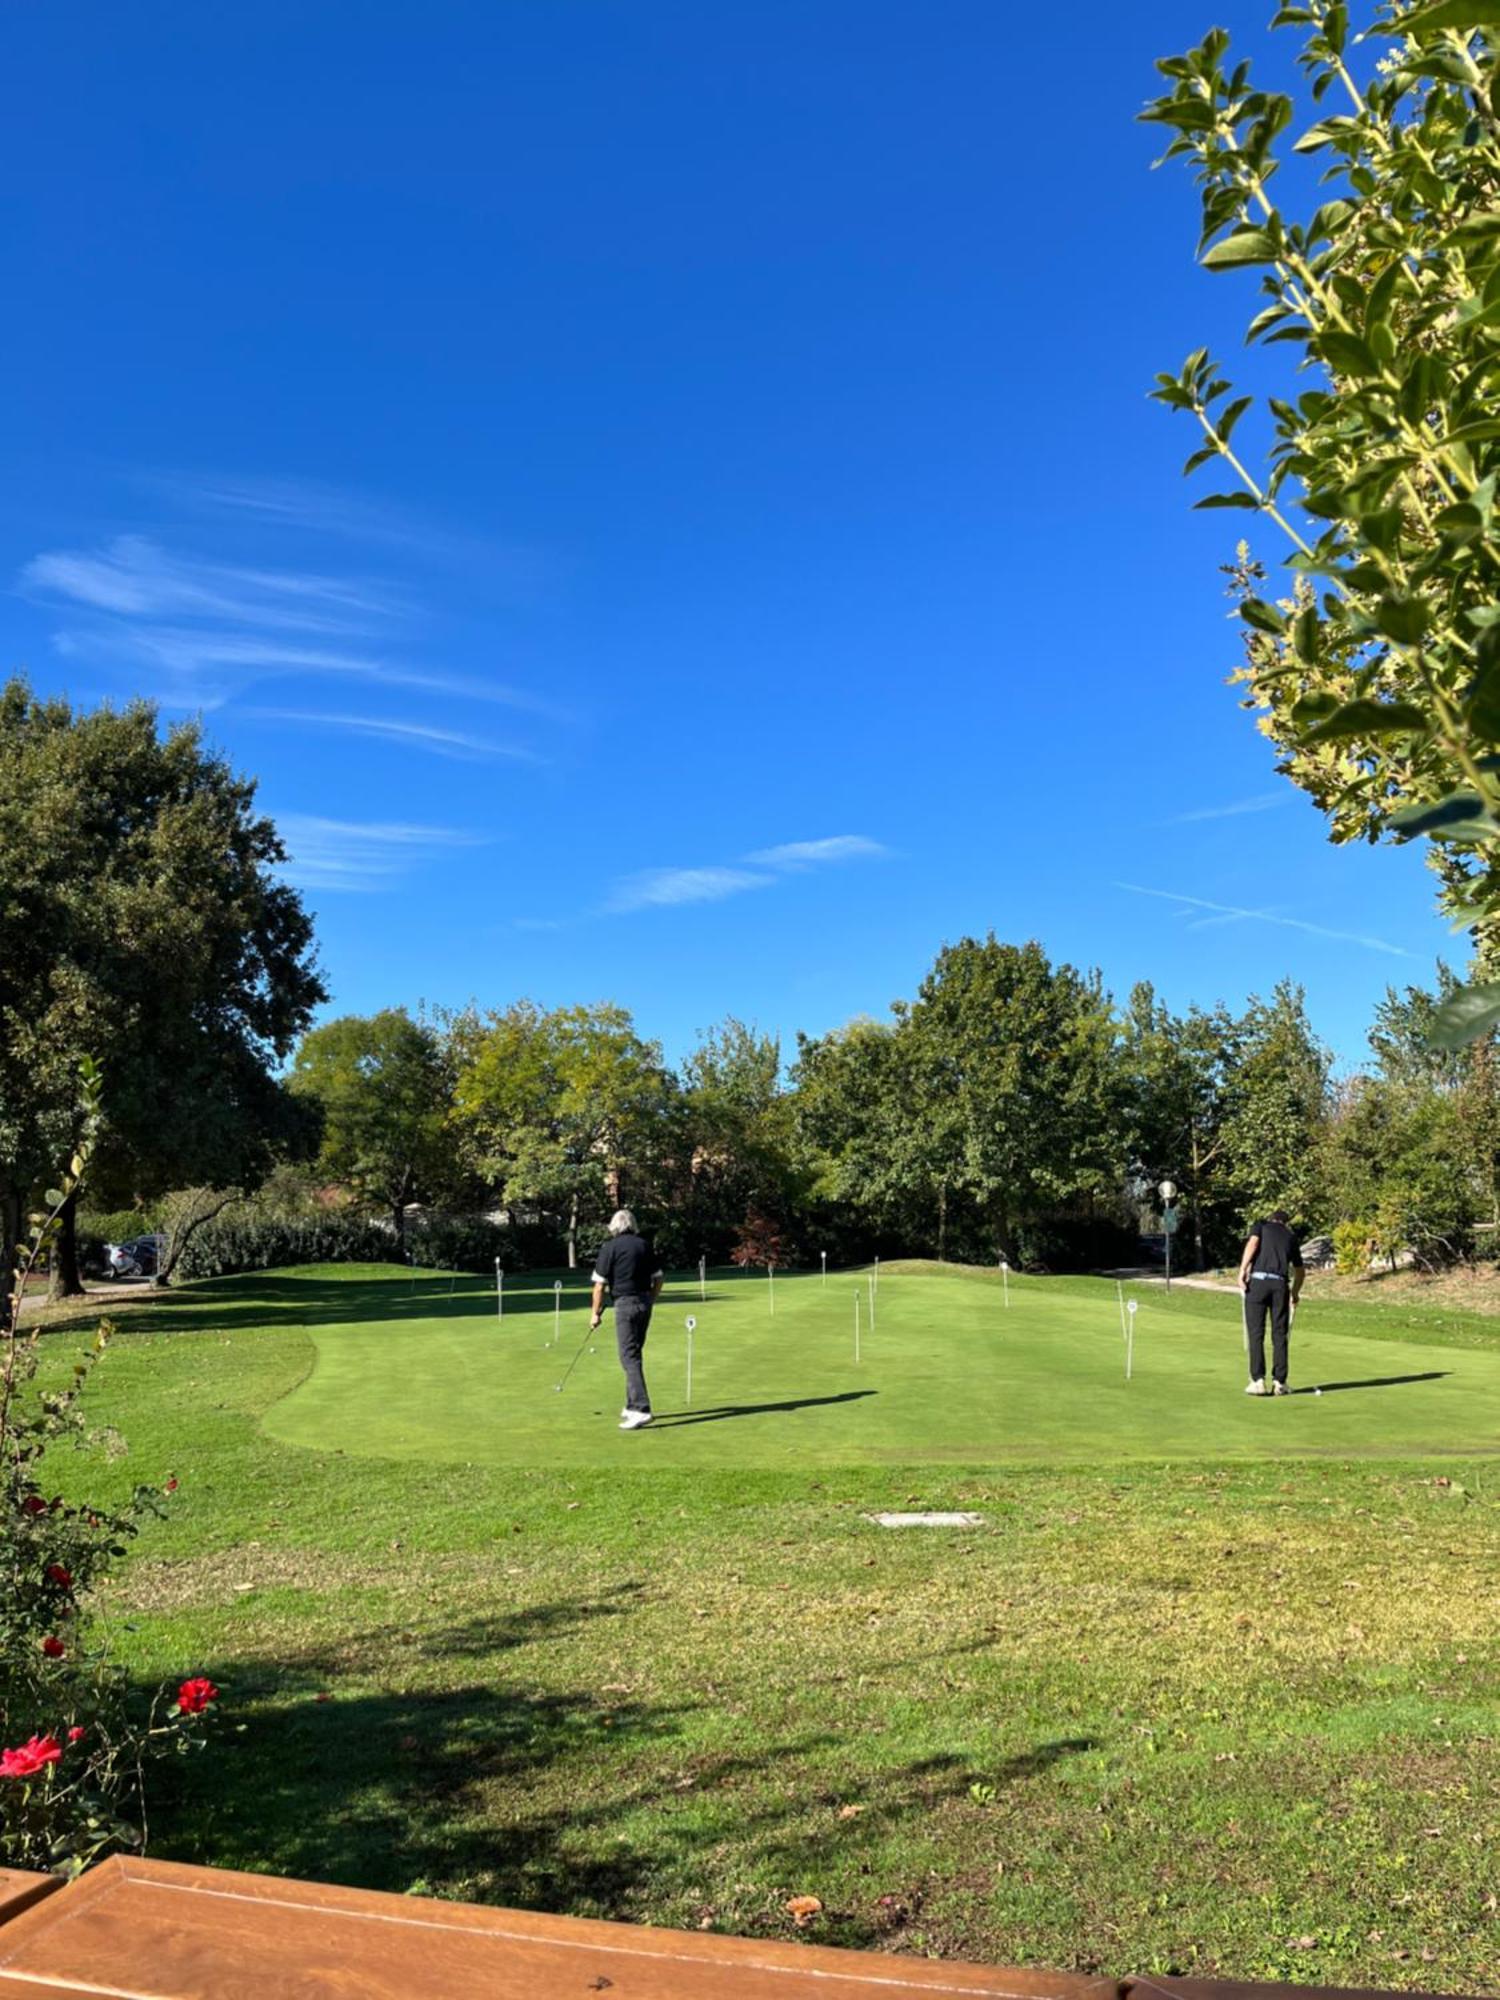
[665, 888]
[211, 667]
[133, 577]
[1262, 802]
[360, 857]
[1233, 913]
[799, 854]
[416, 735]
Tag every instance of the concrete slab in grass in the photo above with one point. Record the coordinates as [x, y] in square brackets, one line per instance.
[926, 1520]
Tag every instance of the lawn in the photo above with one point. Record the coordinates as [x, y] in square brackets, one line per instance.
[1211, 1687]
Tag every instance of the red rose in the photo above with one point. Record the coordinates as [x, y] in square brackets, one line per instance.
[30, 1758]
[76, 1735]
[34, 1504]
[63, 1578]
[195, 1695]
[53, 1648]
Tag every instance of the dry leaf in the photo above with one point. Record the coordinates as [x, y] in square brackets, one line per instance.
[803, 1909]
[850, 1812]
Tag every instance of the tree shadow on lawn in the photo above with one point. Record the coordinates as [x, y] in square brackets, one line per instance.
[584, 1801]
[1374, 1382]
[221, 1305]
[677, 1419]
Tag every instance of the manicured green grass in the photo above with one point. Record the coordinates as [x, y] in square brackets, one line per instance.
[949, 1373]
[1225, 1703]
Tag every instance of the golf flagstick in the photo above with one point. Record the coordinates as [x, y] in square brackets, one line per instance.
[691, 1325]
[1130, 1340]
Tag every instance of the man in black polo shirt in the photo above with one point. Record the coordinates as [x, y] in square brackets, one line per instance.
[1271, 1273]
[628, 1269]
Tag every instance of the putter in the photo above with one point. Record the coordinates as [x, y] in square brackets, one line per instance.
[557, 1387]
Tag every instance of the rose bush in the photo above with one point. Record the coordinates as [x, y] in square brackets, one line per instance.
[75, 1737]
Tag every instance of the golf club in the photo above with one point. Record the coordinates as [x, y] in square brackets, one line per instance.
[588, 1336]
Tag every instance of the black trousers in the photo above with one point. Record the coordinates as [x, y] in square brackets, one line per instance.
[1262, 1296]
[632, 1319]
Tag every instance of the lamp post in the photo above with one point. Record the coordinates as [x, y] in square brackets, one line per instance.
[1168, 1192]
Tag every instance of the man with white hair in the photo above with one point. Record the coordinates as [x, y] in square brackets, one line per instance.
[627, 1268]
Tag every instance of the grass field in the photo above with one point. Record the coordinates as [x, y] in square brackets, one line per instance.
[1212, 1687]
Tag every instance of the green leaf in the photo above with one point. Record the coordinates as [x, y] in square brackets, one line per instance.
[1306, 632]
[1446, 14]
[1363, 717]
[1245, 246]
[1264, 617]
[1227, 500]
[1403, 619]
[1457, 808]
[1464, 1016]
[1346, 353]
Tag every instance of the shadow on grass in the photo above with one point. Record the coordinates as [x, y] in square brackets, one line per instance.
[586, 1800]
[1374, 1382]
[677, 1419]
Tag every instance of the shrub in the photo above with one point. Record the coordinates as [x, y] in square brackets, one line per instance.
[1351, 1248]
[245, 1238]
[74, 1741]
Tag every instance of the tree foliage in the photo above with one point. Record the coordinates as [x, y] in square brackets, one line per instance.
[1376, 667]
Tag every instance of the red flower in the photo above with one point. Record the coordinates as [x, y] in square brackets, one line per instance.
[53, 1648]
[195, 1695]
[63, 1578]
[172, 1484]
[76, 1735]
[34, 1504]
[30, 1758]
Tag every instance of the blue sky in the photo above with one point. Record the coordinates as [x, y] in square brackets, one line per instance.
[663, 497]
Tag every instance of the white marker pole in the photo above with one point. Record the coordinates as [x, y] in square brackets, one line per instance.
[499, 1289]
[877, 1274]
[702, 1277]
[824, 1255]
[1005, 1282]
[690, 1324]
[557, 1309]
[871, 1282]
[1130, 1341]
[771, 1286]
[856, 1326]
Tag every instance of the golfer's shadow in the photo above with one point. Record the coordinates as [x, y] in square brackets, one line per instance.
[1374, 1382]
[717, 1415]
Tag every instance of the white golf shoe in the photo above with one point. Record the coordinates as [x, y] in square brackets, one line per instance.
[1256, 1389]
[633, 1420]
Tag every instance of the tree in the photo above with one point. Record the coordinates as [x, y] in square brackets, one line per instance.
[143, 923]
[737, 1139]
[1016, 1061]
[383, 1086]
[568, 1109]
[1180, 1071]
[1277, 1104]
[1376, 670]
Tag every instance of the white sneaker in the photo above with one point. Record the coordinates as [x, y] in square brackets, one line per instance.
[1280, 1389]
[634, 1419]
[1256, 1389]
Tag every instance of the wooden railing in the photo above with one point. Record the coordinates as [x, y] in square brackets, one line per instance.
[151, 1930]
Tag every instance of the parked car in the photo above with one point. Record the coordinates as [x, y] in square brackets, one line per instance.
[136, 1257]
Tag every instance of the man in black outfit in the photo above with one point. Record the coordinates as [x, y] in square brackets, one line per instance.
[627, 1268]
[1271, 1273]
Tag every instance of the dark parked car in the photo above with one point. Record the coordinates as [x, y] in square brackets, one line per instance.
[134, 1258]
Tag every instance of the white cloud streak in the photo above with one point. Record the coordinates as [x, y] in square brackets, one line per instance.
[132, 577]
[1262, 802]
[360, 857]
[416, 735]
[665, 888]
[1232, 912]
[800, 854]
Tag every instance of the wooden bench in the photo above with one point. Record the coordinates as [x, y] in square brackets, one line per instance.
[151, 1930]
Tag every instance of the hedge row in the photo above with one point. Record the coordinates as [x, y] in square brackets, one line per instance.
[244, 1239]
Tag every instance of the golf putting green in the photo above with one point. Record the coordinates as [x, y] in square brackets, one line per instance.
[424, 1368]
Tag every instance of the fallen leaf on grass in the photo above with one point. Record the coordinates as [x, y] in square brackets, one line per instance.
[850, 1812]
[803, 1909]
